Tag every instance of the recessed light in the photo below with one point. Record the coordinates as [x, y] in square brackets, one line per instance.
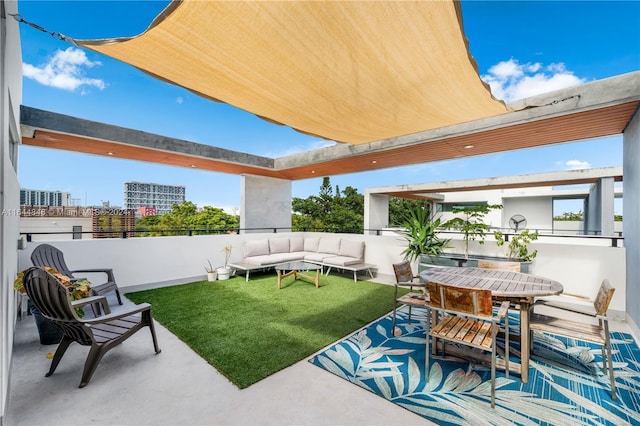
[373, 161]
[193, 166]
[109, 153]
[313, 171]
[469, 146]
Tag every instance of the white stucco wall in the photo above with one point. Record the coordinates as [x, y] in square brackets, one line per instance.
[631, 214]
[538, 211]
[56, 224]
[376, 212]
[264, 203]
[10, 100]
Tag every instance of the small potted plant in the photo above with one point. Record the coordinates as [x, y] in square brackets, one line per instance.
[518, 247]
[224, 272]
[212, 275]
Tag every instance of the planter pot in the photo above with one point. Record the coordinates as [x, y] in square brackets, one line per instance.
[49, 333]
[452, 259]
[212, 276]
[223, 273]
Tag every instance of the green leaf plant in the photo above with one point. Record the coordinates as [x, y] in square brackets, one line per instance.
[421, 233]
[471, 224]
[518, 247]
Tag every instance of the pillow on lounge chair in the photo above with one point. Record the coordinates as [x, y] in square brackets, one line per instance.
[329, 245]
[296, 244]
[256, 248]
[279, 245]
[311, 244]
[352, 248]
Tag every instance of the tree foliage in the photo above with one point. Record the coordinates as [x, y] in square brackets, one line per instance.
[186, 216]
[398, 208]
[471, 223]
[342, 211]
[568, 216]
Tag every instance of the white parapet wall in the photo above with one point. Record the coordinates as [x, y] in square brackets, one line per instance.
[579, 264]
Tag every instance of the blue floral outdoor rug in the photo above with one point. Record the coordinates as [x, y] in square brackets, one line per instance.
[566, 385]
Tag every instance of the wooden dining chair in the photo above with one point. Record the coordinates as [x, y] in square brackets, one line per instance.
[405, 278]
[467, 318]
[591, 331]
[500, 265]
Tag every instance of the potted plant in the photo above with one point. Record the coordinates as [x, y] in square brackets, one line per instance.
[518, 248]
[212, 275]
[421, 234]
[224, 272]
[48, 332]
[472, 223]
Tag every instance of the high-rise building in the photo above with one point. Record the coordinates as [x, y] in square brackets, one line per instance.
[37, 197]
[160, 197]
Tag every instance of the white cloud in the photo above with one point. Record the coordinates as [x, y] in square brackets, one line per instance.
[576, 164]
[65, 70]
[510, 80]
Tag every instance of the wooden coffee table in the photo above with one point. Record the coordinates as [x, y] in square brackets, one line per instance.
[294, 269]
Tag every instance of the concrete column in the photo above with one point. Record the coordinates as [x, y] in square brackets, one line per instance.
[599, 207]
[265, 204]
[631, 217]
[376, 212]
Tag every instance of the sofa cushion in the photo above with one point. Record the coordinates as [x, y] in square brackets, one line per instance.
[341, 260]
[311, 244]
[317, 257]
[289, 257]
[256, 248]
[279, 245]
[329, 245]
[351, 248]
[296, 244]
[269, 259]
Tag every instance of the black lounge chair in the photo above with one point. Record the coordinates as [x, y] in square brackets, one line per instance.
[103, 333]
[48, 255]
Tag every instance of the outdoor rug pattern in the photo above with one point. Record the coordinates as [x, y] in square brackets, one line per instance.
[566, 384]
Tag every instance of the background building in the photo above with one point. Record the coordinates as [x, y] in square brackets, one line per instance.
[36, 197]
[46, 223]
[160, 197]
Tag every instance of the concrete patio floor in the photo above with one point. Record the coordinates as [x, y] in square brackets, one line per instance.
[134, 386]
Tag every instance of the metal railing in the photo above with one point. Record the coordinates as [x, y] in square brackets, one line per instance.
[615, 240]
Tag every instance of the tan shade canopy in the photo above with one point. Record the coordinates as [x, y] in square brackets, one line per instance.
[349, 71]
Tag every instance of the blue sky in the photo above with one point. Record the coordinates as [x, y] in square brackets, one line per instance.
[522, 49]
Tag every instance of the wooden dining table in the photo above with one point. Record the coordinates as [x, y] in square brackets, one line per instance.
[517, 287]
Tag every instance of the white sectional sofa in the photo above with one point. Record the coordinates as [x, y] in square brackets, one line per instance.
[328, 252]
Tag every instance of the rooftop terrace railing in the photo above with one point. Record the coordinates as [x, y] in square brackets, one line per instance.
[616, 240]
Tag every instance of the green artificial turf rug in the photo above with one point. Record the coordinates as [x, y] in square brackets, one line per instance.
[250, 330]
[566, 385]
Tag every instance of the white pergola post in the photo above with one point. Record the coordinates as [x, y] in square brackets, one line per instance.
[265, 204]
[376, 212]
[631, 217]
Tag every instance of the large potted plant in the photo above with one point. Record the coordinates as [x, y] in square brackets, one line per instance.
[421, 234]
[471, 223]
